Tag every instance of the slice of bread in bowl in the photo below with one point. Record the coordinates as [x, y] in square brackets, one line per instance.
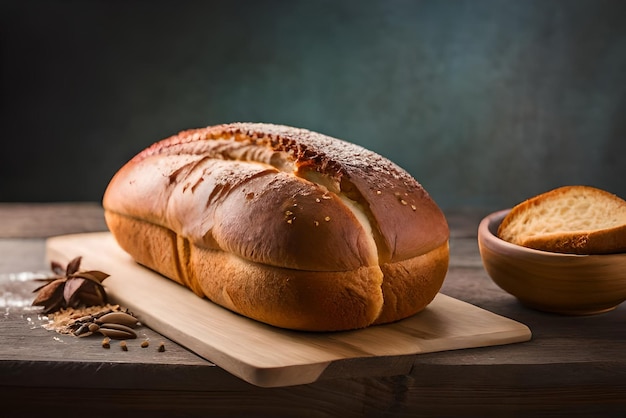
[569, 219]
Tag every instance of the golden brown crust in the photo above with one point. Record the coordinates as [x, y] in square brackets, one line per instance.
[294, 226]
[410, 285]
[406, 221]
[608, 241]
[287, 298]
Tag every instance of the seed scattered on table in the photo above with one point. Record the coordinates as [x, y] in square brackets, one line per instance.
[145, 343]
[161, 347]
[106, 342]
[123, 345]
[120, 318]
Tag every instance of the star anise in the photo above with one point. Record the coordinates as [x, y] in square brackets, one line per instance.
[70, 288]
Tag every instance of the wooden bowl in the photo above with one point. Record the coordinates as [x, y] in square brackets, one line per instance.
[561, 283]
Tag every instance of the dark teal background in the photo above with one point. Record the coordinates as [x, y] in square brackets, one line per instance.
[485, 102]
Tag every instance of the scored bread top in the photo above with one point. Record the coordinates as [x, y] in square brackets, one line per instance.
[280, 196]
[569, 219]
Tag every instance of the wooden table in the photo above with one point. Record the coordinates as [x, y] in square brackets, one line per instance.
[573, 366]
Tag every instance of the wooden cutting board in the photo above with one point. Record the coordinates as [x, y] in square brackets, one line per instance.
[267, 356]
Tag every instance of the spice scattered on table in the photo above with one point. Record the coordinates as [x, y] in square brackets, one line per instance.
[75, 303]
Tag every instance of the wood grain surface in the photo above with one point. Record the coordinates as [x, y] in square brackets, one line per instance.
[573, 366]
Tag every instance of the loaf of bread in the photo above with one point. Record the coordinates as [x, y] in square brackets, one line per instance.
[569, 219]
[283, 225]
